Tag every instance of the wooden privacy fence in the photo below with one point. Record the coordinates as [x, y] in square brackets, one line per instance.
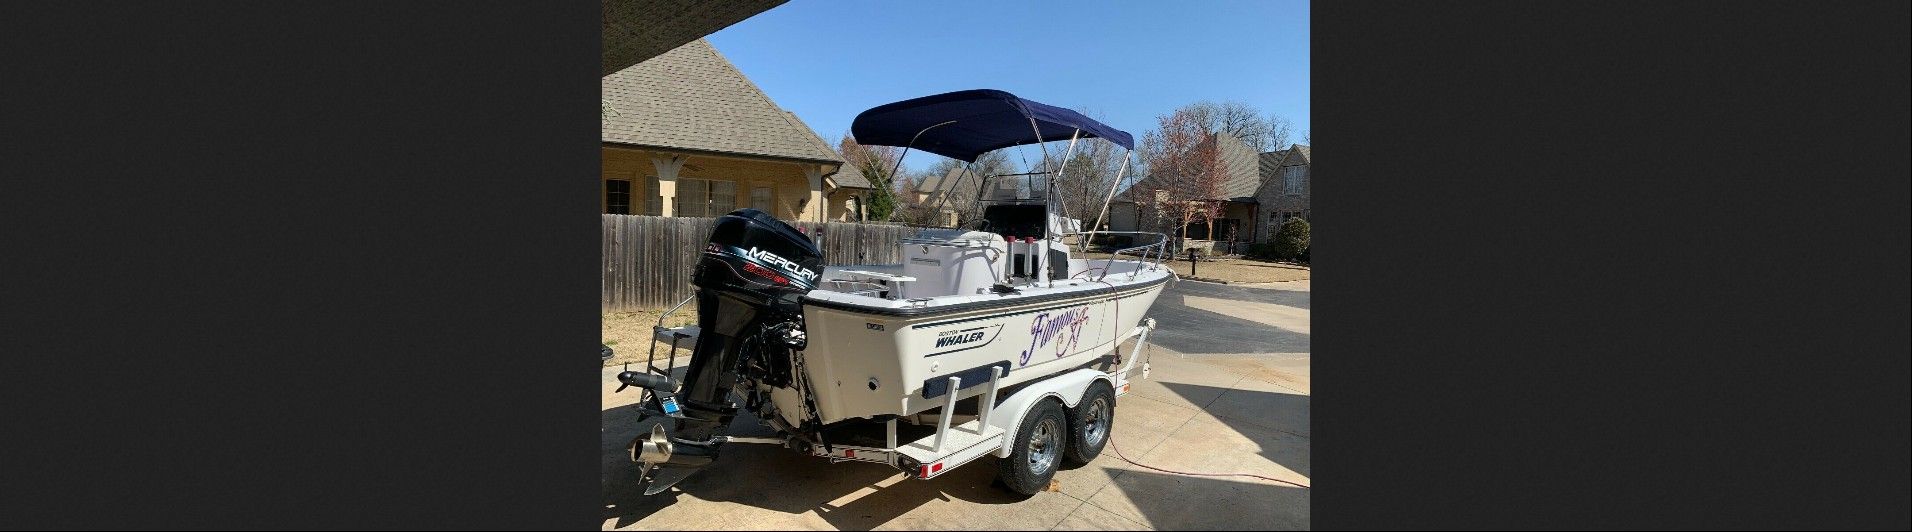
[648, 260]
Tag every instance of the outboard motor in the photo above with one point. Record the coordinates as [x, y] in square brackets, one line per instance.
[753, 272]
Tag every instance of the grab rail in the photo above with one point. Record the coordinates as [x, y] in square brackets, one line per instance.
[874, 287]
[1153, 254]
[951, 242]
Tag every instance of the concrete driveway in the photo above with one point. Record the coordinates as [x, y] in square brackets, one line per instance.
[1228, 393]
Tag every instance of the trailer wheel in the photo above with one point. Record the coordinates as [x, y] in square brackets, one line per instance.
[1089, 423]
[1039, 447]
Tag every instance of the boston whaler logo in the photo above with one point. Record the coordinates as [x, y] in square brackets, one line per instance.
[1047, 327]
[961, 339]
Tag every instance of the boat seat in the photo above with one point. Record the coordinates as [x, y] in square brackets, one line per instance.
[676, 334]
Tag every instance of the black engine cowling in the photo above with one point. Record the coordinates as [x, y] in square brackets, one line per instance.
[750, 280]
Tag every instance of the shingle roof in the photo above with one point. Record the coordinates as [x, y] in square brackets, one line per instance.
[847, 175]
[692, 98]
[1271, 161]
[943, 183]
[850, 177]
[931, 183]
[1242, 165]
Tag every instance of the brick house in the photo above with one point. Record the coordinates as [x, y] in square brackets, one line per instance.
[1285, 188]
[686, 134]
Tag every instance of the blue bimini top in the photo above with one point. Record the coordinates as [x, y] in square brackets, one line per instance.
[984, 120]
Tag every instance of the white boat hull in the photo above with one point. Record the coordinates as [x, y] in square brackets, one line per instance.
[868, 362]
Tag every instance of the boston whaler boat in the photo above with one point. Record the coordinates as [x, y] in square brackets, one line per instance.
[986, 339]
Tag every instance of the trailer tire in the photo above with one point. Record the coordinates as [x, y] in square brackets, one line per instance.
[1039, 446]
[1090, 422]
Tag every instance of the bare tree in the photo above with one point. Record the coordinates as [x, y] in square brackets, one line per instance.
[876, 163]
[1185, 170]
[1242, 121]
[1278, 131]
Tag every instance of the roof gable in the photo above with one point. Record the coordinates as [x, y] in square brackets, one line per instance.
[1301, 155]
[1272, 163]
[692, 98]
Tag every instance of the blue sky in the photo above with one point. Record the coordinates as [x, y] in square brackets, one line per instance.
[1129, 60]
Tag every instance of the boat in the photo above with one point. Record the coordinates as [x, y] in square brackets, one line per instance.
[867, 362]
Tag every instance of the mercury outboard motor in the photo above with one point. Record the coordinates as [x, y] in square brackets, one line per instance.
[749, 282]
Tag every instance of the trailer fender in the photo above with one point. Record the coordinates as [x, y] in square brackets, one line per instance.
[1067, 388]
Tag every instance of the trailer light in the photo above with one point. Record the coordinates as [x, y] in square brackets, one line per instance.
[924, 474]
[937, 467]
[849, 453]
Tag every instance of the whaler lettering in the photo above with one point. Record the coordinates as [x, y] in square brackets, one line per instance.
[954, 339]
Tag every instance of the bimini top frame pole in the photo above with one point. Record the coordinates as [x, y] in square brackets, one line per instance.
[906, 147]
[948, 188]
[1119, 174]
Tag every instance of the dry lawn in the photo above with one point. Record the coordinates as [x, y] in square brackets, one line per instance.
[629, 334]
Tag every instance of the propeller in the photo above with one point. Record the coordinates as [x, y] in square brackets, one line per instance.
[652, 451]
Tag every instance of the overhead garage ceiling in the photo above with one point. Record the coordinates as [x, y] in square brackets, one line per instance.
[635, 30]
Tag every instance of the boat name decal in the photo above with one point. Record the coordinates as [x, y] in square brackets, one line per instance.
[1046, 328]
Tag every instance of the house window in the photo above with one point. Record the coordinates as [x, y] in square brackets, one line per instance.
[705, 197]
[653, 199]
[723, 198]
[617, 196]
[1291, 179]
[760, 200]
